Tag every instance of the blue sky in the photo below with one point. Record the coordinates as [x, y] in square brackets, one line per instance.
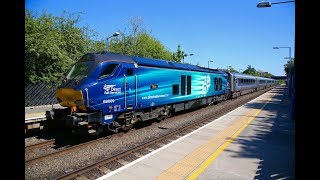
[229, 33]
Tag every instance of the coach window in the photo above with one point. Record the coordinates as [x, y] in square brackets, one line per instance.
[175, 89]
[109, 70]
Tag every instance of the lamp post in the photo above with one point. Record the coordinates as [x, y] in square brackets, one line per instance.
[113, 35]
[208, 63]
[185, 55]
[264, 4]
[289, 74]
[268, 4]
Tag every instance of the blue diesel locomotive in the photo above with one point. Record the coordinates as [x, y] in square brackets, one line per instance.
[115, 91]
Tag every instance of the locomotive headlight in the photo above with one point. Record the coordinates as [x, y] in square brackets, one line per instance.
[79, 102]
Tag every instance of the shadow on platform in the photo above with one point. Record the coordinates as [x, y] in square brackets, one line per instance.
[273, 142]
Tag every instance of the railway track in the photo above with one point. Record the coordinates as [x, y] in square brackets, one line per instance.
[118, 160]
[39, 145]
[63, 150]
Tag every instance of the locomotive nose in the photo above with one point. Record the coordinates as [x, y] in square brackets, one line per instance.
[70, 98]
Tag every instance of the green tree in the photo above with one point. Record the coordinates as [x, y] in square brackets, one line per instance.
[250, 70]
[288, 65]
[53, 43]
[178, 55]
[45, 58]
[264, 74]
[231, 69]
[135, 40]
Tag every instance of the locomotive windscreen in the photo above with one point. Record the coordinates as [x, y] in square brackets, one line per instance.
[79, 70]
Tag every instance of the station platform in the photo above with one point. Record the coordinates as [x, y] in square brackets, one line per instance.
[36, 112]
[36, 115]
[254, 141]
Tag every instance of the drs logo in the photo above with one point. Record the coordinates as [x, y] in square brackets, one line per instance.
[206, 84]
[111, 89]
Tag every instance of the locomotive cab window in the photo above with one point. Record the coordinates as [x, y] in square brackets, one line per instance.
[129, 72]
[109, 70]
[80, 70]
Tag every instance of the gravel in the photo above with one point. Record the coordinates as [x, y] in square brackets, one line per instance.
[33, 140]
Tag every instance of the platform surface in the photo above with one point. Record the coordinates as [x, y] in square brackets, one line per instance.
[254, 141]
[37, 112]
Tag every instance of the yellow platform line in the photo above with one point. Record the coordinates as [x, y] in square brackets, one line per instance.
[203, 156]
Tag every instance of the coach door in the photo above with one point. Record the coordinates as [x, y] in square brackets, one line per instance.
[130, 89]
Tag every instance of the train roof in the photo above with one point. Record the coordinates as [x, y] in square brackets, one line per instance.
[172, 65]
[249, 76]
[102, 56]
[243, 75]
